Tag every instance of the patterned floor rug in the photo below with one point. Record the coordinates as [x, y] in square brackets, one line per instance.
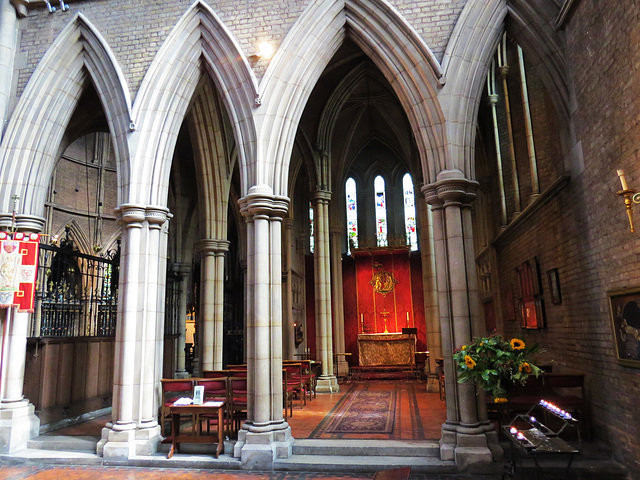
[365, 411]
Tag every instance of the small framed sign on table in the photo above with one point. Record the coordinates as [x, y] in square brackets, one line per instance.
[198, 395]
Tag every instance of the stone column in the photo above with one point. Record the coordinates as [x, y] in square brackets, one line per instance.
[8, 42]
[206, 337]
[148, 357]
[463, 437]
[134, 429]
[18, 422]
[337, 233]
[212, 302]
[181, 270]
[119, 440]
[327, 381]
[430, 291]
[288, 337]
[265, 436]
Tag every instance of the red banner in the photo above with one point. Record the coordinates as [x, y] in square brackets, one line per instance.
[18, 268]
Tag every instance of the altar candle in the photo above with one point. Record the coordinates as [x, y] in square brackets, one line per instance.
[623, 181]
[407, 319]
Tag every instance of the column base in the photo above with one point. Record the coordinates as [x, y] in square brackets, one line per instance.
[119, 445]
[258, 450]
[342, 369]
[470, 450]
[327, 384]
[18, 424]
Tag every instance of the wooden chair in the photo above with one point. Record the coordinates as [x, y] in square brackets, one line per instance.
[308, 378]
[215, 389]
[216, 373]
[173, 389]
[288, 393]
[296, 381]
[237, 395]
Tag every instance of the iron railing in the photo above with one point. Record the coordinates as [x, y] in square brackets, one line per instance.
[77, 294]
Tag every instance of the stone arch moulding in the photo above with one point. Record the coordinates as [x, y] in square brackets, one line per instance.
[213, 165]
[377, 28]
[465, 64]
[199, 38]
[36, 128]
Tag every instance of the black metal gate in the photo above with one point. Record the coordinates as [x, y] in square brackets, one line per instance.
[77, 294]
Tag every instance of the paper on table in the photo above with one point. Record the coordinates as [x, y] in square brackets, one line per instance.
[183, 401]
[212, 404]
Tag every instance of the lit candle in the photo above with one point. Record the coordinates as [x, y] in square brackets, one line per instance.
[623, 181]
[407, 319]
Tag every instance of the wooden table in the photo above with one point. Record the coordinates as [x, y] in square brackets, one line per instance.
[196, 410]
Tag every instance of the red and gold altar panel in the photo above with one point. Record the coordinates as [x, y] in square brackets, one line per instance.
[379, 349]
[366, 311]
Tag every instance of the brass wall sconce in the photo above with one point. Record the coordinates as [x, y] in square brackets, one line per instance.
[630, 197]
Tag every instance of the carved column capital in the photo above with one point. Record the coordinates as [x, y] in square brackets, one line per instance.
[131, 215]
[261, 202]
[451, 188]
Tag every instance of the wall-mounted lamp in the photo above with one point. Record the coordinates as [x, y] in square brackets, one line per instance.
[264, 50]
[630, 197]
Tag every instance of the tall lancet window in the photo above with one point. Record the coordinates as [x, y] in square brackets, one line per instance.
[312, 244]
[381, 212]
[352, 214]
[409, 212]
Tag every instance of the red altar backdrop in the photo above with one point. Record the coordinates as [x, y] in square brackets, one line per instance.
[364, 307]
[361, 302]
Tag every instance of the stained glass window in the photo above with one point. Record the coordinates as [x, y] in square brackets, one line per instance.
[352, 214]
[381, 211]
[312, 244]
[409, 212]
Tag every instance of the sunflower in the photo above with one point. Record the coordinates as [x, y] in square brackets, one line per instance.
[469, 361]
[517, 344]
[525, 366]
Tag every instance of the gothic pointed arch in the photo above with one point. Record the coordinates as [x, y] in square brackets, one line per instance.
[36, 128]
[532, 24]
[199, 40]
[465, 64]
[212, 160]
[395, 48]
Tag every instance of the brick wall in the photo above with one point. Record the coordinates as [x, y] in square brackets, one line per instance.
[583, 230]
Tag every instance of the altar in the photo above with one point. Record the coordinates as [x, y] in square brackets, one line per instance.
[380, 349]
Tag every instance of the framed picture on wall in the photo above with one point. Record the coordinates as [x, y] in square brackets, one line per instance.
[625, 321]
[554, 286]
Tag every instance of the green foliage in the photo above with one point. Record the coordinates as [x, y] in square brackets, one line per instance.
[493, 363]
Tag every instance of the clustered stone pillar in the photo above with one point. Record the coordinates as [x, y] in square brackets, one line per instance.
[327, 381]
[212, 302]
[337, 233]
[134, 429]
[181, 271]
[464, 434]
[265, 435]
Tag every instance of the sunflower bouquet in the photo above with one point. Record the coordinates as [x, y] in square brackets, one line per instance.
[494, 363]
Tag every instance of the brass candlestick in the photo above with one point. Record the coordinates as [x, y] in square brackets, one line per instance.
[630, 197]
